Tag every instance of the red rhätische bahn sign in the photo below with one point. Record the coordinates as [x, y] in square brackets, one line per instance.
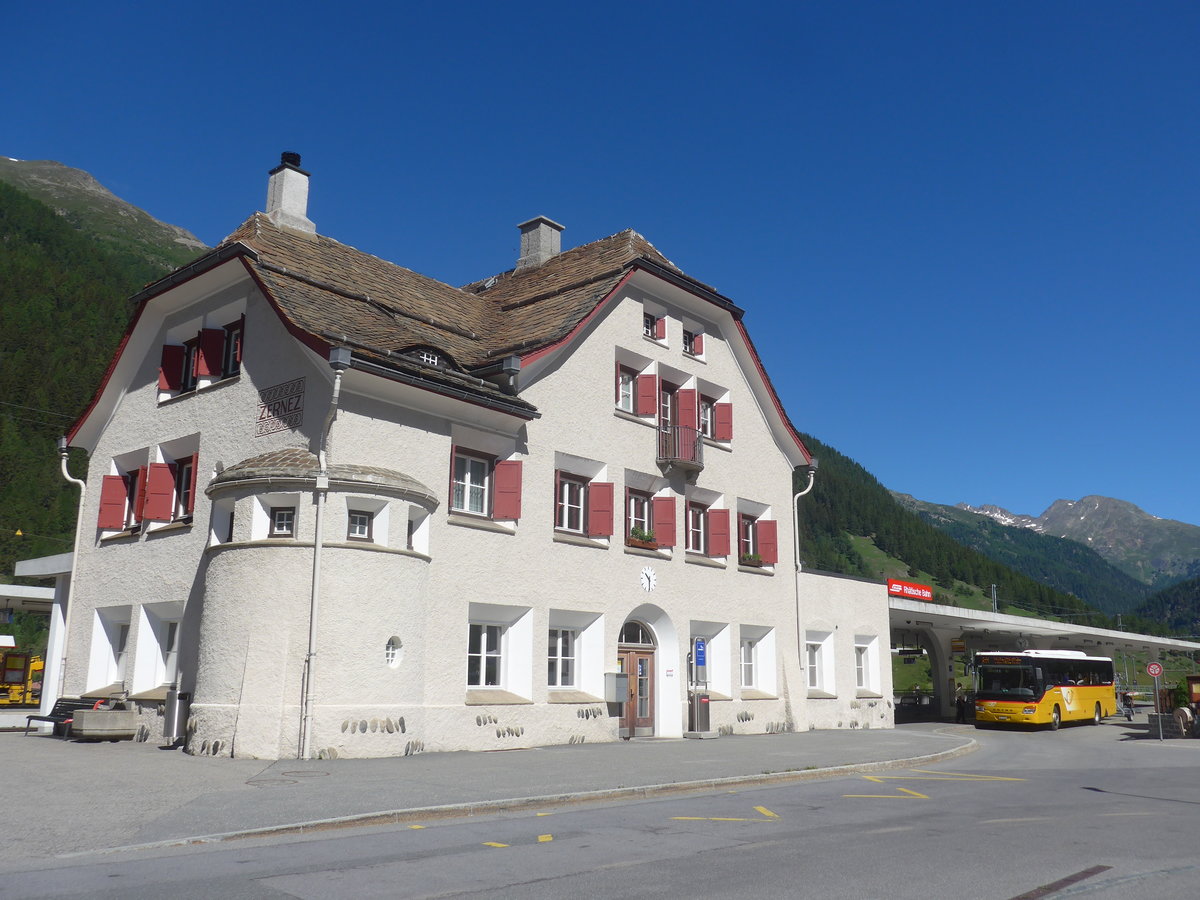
[908, 590]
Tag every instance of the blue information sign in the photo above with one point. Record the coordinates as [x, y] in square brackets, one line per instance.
[700, 654]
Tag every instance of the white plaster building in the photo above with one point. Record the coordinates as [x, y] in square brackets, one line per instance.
[358, 512]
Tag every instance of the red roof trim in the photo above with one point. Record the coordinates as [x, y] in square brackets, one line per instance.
[112, 365]
[771, 388]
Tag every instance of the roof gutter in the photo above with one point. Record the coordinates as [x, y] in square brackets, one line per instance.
[689, 285]
[373, 368]
[210, 260]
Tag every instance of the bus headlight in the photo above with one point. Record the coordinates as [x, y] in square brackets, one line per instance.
[1030, 710]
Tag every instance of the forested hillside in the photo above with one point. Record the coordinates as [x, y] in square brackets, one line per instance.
[846, 500]
[1178, 607]
[62, 312]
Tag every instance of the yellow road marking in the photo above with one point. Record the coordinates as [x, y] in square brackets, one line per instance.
[545, 814]
[545, 838]
[416, 826]
[493, 844]
[766, 812]
[1014, 821]
[912, 795]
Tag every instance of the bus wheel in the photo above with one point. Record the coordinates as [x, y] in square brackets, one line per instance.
[1097, 715]
[1055, 719]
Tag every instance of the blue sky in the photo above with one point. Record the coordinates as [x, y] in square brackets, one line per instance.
[965, 234]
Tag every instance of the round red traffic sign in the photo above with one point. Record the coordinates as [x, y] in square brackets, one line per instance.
[1154, 669]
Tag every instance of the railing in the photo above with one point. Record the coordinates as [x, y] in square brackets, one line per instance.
[681, 445]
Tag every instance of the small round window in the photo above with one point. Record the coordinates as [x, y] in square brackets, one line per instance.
[392, 651]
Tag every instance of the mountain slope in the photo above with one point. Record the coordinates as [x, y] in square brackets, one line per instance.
[1062, 563]
[1157, 552]
[846, 501]
[91, 208]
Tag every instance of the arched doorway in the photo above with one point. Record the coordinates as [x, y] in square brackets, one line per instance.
[635, 657]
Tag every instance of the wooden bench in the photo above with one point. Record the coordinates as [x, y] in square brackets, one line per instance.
[62, 716]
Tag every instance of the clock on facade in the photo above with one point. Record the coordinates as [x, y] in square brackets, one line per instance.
[649, 580]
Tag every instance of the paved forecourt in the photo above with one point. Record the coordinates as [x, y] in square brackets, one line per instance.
[73, 797]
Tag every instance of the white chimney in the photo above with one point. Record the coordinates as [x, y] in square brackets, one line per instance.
[287, 195]
[541, 239]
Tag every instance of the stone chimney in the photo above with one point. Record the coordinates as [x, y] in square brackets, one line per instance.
[287, 195]
[541, 239]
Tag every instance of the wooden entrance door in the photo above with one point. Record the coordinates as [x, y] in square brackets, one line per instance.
[637, 713]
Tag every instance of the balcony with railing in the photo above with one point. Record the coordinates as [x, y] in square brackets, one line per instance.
[681, 447]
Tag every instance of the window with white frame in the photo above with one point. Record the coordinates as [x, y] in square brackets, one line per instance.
[626, 389]
[583, 501]
[639, 520]
[818, 657]
[654, 326]
[866, 664]
[108, 663]
[756, 656]
[283, 522]
[482, 485]
[359, 525]
[749, 657]
[485, 655]
[560, 658]
[697, 528]
[500, 648]
[758, 535]
[575, 652]
[569, 507]
[472, 484]
[196, 355]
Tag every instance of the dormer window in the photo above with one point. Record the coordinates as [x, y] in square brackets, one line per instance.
[428, 357]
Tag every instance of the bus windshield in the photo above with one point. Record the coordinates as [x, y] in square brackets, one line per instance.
[1008, 683]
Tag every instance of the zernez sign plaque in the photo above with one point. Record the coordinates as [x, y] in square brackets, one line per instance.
[280, 407]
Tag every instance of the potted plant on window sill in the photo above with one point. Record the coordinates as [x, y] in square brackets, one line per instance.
[751, 559]
[640, 537]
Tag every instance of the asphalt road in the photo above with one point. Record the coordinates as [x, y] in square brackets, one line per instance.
[1085, 812]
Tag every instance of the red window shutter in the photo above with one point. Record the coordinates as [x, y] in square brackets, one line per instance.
[697, 345]
[600, 509]
[506, 483]
[718, 532]
[160, 493]
[114, 495]
[192, 493]
[139, 501]
[688, 405]
[723, 421]
[768, 541]
[212, 348]
[664, 521]
[660, 328]
[170, 372]
[647, 395]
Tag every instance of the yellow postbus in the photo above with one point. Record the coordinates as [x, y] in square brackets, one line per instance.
[1042, 687]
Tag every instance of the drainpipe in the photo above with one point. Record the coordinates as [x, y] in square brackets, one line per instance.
[812, 475]
[63, 453]
[339, 361]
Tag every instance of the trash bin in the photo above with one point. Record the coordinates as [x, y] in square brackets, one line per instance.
[175, 715]
[698, 711]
